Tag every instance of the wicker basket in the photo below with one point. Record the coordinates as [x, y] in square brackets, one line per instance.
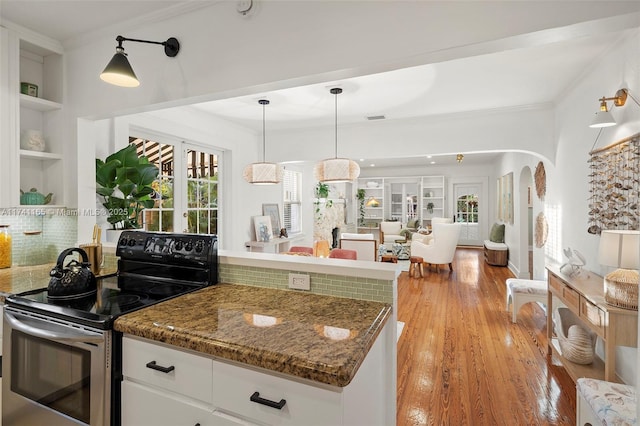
[576, 343]
[621, 289]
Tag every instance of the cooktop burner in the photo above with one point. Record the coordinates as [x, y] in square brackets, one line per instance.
[101, 307]
[152, 267]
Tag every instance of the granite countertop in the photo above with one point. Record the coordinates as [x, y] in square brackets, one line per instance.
[321, 338]
[19, 279]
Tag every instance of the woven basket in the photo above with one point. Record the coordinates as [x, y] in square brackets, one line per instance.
[621, 289]
[576, 343]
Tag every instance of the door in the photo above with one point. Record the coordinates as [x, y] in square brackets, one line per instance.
[467, 212]
[192, 169]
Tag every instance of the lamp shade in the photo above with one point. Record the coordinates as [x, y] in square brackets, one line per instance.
[263, 173]
[619, 249]
[337, 170]
[603, 118]
[119, 72]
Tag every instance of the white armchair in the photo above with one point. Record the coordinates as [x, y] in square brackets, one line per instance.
[390, 232]
[350, 236]
[441, 248]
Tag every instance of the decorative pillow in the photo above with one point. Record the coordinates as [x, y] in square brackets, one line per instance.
[412, 223]
[497, 233]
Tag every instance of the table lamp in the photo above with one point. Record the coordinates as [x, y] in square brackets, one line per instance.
[321, 248]
[621, 249]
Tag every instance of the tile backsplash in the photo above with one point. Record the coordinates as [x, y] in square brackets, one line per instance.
[376, 290]
[57, 232]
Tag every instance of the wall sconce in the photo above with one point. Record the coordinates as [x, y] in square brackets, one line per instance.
[119, 72]
[459, 158]
[603, 117]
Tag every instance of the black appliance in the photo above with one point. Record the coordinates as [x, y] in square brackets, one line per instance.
[77, 330]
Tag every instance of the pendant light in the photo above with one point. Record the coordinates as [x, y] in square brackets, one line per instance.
[263, 173]
[337, 169]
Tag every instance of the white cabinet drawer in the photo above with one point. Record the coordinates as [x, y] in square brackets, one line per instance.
[305, 404]
[189, 374]
[144, 406]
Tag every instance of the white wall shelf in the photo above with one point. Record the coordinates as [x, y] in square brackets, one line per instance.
[40, 155]
[38, 104]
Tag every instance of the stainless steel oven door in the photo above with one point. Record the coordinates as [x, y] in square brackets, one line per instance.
[55, 372]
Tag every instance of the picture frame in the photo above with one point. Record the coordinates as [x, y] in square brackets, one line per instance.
[273, 211]
[262, 226]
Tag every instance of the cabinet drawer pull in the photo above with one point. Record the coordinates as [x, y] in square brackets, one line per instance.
[256, 398]
[152, 365]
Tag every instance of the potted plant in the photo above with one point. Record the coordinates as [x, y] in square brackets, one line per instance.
[124, 182]
[361, 194]
[430, 207]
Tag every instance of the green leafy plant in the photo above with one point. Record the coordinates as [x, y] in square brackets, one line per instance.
[430, 207]
[124, 180]
[361, 194]
[321, 191]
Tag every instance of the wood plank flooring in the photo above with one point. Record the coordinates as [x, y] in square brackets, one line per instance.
[462, 362]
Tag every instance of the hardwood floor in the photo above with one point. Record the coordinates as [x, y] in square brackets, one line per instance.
[462, 362]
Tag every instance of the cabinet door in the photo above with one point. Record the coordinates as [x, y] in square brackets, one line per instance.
[145, 406]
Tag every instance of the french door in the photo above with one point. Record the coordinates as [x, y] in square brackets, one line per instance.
[468, 211]
[187, 190]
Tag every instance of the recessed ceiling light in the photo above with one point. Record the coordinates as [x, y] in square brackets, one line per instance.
[433, 162]
[372, 165]
[429, 156]
[362, 159]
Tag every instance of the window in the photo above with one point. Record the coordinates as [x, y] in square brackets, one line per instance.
[292, 183]
[193, 209]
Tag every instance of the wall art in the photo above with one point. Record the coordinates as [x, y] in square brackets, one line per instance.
[614, 185]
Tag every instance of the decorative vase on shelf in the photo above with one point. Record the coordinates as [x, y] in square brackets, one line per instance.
[32, 140]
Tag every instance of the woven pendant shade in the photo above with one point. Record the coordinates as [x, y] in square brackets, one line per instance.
[263, 173]
[337, 170]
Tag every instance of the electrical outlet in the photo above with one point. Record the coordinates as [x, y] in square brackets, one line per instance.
[299, 281]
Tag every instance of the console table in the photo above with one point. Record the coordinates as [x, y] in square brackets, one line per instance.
[584, 296]
[275, 245]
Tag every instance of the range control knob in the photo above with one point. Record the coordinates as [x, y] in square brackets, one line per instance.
[122, 241]
[199, 246]
[188, 246]
[179, 245]
[132, 242]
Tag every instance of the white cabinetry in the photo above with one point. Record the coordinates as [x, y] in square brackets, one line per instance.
[374, 202]
[189, 389]
[433, 198]
[30, 58]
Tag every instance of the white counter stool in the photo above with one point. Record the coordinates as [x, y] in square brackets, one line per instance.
[520, 292]
[599, 402]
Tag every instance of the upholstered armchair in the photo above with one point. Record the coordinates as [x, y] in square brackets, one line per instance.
[390, 232]
[441, 248]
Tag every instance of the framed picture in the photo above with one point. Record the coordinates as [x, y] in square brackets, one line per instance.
[273, 211]
[262, 225]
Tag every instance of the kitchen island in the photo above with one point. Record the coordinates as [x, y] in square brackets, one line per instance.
[245, 354]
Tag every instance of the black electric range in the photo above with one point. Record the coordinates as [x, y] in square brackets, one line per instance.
[152, 267]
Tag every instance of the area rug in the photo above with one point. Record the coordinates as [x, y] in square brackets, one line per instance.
[400, 328]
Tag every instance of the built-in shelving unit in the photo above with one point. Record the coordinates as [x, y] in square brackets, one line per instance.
[40, 63]
[374, 203]
[433, 199]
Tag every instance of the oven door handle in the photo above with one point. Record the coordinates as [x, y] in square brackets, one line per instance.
[61, 336]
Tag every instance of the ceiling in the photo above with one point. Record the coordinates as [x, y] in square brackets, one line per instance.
[514, 78]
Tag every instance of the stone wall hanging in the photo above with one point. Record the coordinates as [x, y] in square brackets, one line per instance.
[540, 177]
[542, 230]
[614, 184]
